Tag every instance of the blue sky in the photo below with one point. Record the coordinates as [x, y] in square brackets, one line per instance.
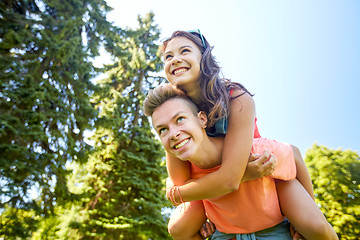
[300, 58]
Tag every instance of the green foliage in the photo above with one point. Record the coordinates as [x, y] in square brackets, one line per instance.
[48, 101]
[60, 224]
[123, 196]
[23, 222]
[336, 179]
[45, 74]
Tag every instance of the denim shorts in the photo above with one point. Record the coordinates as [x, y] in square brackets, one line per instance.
[278, 232]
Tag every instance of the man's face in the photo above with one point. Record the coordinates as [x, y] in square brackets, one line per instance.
[180, 130]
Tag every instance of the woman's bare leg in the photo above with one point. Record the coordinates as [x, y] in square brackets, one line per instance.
[303, 213]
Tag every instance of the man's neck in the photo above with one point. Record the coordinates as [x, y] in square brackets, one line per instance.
[209, 154]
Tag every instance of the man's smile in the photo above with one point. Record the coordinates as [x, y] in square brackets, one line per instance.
[181, 144]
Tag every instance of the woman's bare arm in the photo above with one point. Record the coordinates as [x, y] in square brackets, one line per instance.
[258, 166]
[237, 147]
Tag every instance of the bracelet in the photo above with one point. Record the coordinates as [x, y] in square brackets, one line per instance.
[178, 189]
[172, 194]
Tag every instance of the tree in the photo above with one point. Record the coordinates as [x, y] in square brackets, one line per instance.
[45, 73]
[123, 197]
[336, 180]
[23, 222]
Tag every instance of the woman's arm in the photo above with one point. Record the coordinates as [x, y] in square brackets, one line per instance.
[257, 167]
[236, 151]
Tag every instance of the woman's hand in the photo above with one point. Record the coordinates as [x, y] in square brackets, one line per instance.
[259, 166]
[207, 229]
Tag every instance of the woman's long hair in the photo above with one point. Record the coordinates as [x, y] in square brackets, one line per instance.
[214, 89]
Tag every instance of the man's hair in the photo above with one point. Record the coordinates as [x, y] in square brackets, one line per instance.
[163, 93]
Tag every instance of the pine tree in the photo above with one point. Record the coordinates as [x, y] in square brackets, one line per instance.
[126, 170]
[336, 180]
[45, 72]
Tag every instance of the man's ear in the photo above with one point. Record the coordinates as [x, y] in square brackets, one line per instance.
[203, 119]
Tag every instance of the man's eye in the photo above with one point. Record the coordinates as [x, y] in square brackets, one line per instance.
[162, 130]
[179, 119]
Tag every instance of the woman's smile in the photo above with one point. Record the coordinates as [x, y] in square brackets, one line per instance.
[182, 56]
[180, 70]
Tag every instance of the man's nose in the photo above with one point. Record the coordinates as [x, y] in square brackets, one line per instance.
[174, 134]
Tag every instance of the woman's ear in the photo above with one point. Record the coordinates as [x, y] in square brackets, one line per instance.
[203, 119]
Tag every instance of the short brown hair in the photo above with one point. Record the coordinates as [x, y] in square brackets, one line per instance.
[163, 93]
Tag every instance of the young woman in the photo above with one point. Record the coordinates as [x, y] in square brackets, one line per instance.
[190, 66]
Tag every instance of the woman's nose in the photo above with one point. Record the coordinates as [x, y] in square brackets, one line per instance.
[176, 60]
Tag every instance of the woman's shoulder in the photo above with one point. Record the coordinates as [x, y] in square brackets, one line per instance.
[241, 105]
[241, 95]
[236, 89]
[237, 92]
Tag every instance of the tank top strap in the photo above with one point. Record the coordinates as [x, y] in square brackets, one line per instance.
[256, 129]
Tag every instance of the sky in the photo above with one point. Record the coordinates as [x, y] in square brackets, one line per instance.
[301, 59]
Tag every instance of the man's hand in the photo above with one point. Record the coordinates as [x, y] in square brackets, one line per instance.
[207, 229]
[295, 235]
[259, 166]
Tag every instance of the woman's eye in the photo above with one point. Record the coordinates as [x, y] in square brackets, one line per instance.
[179, 119]
[167, 57]
[185, 50]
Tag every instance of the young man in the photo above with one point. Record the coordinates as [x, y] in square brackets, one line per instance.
[253, 209]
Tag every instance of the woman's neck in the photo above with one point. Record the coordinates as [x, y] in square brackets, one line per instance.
[195, 97]
[194, 92]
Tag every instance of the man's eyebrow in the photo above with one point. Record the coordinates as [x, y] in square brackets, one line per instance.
[173, 117]
[177, 114]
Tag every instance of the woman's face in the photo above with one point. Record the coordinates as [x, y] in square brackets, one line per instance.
[182, 63]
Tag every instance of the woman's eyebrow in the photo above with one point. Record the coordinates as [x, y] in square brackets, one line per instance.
[185, 46]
